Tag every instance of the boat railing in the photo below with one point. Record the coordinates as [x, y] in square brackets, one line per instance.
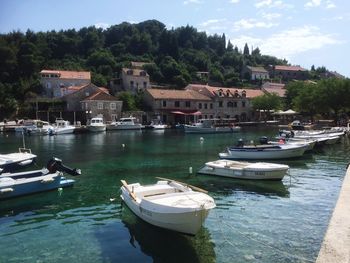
[24, 150]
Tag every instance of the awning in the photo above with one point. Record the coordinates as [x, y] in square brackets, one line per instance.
[186, 113]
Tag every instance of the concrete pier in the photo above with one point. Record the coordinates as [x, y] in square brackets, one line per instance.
[336, 244]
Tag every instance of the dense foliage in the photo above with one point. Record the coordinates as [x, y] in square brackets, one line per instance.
[325, 97]
[177, 55]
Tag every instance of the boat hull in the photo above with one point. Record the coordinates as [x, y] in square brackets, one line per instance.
[263, 154]
[14, 161]
[165, 207]
[257, 171]
[96, 128]
[14, 188]
[124, 127]
[194, 129]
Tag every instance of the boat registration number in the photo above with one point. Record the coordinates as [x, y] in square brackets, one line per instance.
[146, 212]
[260, 173]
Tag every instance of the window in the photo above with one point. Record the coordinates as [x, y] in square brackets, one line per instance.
[187, 104]
[87, 94]
[131, 84]
[211, 105]
[243, 104]
[235, 104]
[220, 104]
[100, 105]
[142, 73]
[144, 84]
[205, 106]
[113, 106]
[229, 104]
[177, 104]
[164, 103]
[199, 105]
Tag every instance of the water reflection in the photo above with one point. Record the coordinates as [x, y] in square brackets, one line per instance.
[226, 186]
[167, 246]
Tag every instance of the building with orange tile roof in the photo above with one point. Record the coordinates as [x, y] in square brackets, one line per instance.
[54, 80]
[229, 102]
[286, 73]
[178, 106]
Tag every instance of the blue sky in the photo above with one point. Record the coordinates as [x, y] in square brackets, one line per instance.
[305, 32]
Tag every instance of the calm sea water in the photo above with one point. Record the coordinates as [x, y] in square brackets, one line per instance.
[253, 221]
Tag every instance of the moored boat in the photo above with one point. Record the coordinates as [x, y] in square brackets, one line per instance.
[212, 126]
[125, 124]
[245, 170]
[169, 204]
[12, 161]
[255, 152]
[61, 127]
[96, 125]
[29, 182]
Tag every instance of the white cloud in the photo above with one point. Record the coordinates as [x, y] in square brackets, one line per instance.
[313, 3]
[288, 43]
[318, 3]
[234, 1]
[192, 2]
[102, 25]
[245, 24]
[211, 22]
[272, 4]
[270, 16]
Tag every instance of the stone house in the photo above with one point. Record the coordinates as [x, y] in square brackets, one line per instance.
[55, 82]
[287, 73]
[229, 102]
[135, 80]
[178, 106]
[102, 104]
[255, 73]
[277, 88]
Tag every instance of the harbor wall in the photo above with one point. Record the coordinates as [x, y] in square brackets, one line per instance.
[335, 247]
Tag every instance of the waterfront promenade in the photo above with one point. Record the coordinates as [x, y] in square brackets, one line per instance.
[336, 244]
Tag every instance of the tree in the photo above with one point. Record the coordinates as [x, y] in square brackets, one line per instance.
[246, 50]
[267, 102]
[128, 99]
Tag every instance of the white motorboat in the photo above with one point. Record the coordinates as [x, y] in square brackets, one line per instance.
[12, 161]
[245, 170]
[34, 127]
[96, 125]
[125, 124]
[169, 204]
[264, 152]
[23, 183]
[310, 144]
[156, 126]
[62, 127]
[211, 126]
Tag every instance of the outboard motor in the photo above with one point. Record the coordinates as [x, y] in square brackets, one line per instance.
[240, 143]
[55, 164]
[263, 140]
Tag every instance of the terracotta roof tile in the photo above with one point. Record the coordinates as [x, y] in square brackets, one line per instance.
[213, 91]
[289, 68]
[177, 94]
[135, 72]
[101, 96]
[63, 74]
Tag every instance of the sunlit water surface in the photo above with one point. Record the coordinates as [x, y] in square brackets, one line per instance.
[253, 221]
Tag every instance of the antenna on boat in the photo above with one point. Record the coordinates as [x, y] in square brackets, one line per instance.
[24, 143]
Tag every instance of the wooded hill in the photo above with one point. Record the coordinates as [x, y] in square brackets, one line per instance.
[177, 55]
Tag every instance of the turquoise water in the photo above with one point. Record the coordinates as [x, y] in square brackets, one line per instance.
[253, 221]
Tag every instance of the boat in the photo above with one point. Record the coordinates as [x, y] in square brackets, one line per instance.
[61, 127]
[12, 161]
[34, 127]
[125, 124]
[96, 125]
[156, 126]
[212, 126]
[29, 182]
[245, 170]
[264, 151]
[169, 204]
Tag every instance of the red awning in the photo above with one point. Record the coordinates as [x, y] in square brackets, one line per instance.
[186, 113]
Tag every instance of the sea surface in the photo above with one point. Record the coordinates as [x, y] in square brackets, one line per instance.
[253, 222]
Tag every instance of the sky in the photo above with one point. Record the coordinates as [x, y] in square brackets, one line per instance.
[305, 32]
